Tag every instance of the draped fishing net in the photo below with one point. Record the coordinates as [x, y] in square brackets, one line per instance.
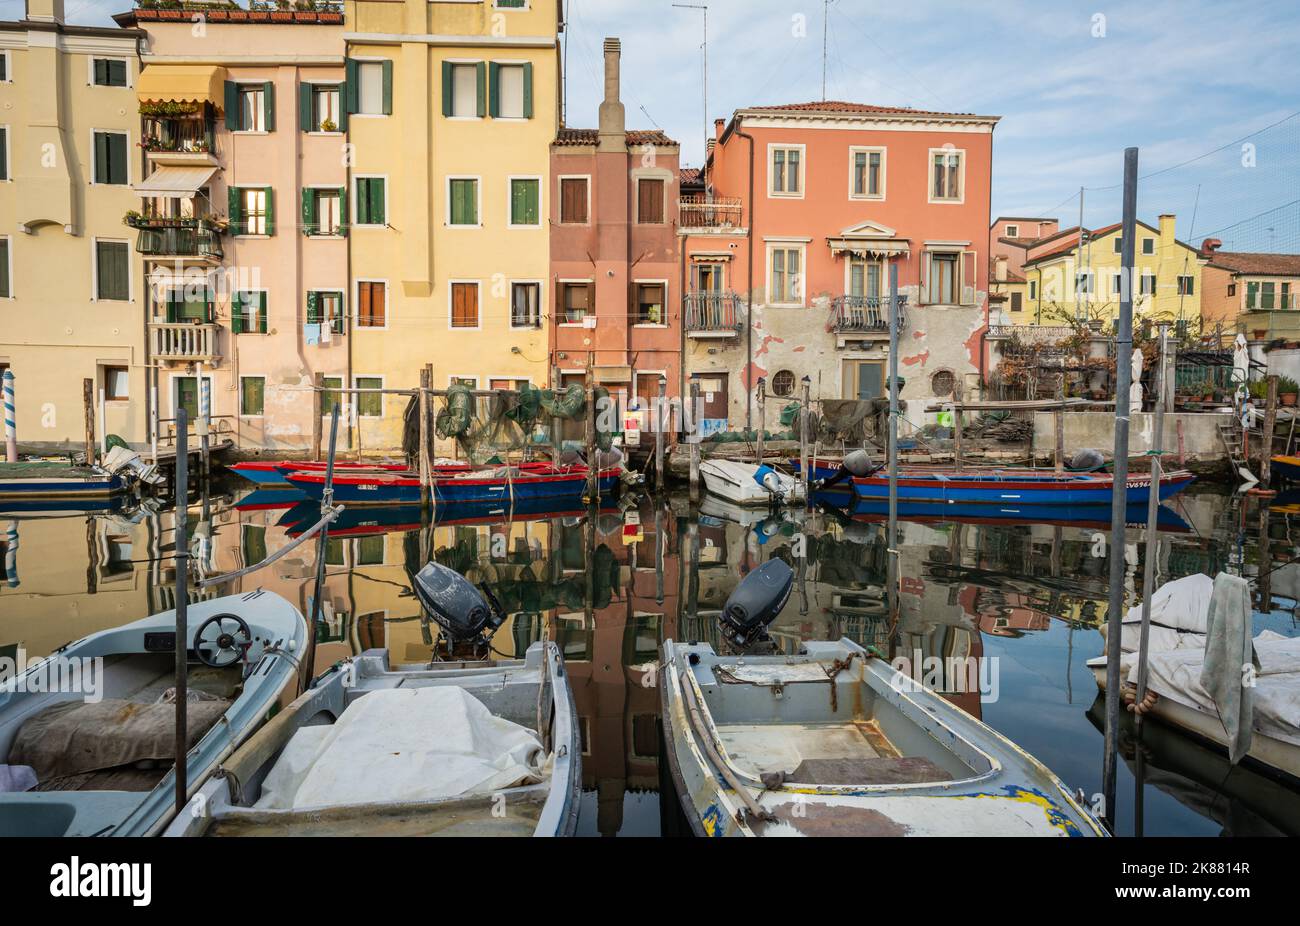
[487, 426]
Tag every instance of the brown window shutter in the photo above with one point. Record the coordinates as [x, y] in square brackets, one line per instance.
[573, 201]
[363, 304]
[464, 305]
[378, 306]
[650, 204]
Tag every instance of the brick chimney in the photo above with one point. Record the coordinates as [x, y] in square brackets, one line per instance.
[1000, 268]
[613, 117]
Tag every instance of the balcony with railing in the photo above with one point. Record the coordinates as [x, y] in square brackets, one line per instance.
[184, 341]
[717, 213]
[192, 239]
[865, 316]
[179, 133]
[713, 315]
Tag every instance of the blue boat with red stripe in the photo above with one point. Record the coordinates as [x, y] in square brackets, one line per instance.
[516, 483]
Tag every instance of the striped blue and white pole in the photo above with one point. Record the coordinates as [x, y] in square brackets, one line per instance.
[11, 419]
[11, 554]
[205, 404]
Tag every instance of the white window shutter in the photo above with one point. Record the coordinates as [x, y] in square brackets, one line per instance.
[969, 278]
[923, 295]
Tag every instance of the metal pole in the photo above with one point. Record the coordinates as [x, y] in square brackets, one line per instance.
[11, 419]
[425, 465]
[181, 558]
[1153, 533]
[326, 503]
[205, 416]
[1123, 382]
[891, 542]
[157, 422]
[103, 425]
[803, 440]
[693, 440]
[659, 433]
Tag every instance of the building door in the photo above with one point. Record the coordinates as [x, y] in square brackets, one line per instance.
[863, 379]
[713, 402]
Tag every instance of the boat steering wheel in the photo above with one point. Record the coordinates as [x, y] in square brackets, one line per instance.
[220, 646]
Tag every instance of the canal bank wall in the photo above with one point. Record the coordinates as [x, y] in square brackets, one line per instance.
[1200, 441]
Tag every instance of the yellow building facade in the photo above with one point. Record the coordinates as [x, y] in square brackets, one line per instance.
[1064, 280]
[456, 107]
[71, 290]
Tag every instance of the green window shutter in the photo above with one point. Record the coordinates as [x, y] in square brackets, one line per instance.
[313, 308]
[351, 85]
[4, 268]
[462, 202]
[268, 100]
[387, 68]
[115, 71]
[377, 215]
[528, 90]
[235, 213]
[232, 106]
[171, 307]
[309, 212]
[101, 71]
[261, 313]
[304, 108]
[4, 154]
[236, 314]
[446, 88]
[481, 68]
[101, 158]
[270, 211]
[116, 158]
[494, 90]
[343, 210]
[343, 108]
[363, 203]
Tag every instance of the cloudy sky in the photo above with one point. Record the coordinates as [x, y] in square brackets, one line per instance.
[1187, 81]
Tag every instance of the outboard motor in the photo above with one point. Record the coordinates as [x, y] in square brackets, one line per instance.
[457, 606]
[770, 480]
[755, 603]
[855, 463]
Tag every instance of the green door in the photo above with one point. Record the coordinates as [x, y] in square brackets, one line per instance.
[187, 396]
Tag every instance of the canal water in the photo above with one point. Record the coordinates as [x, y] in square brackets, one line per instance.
[1025, 600]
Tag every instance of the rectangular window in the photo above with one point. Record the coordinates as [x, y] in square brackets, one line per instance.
[1119, 244]
[1013, 231]
[946, 176]
[464, 91]
[464, 305]
[322, 212]
[110, 158]
[6, 283]
[371, 201]
[109, 72]
[325, 307]
[463, 195]
[1186, 285]
[188, 304]
[573, 201]
[1148, 245]
[371, 304]
[511, 4]
[4, 153]
[1116, 284]
[251, 100]
[787, 279]
[1033, 289]
[117, 384]
[252, 396]
[787, 171]
[1083, 282]
[650, 202]
[112, 270]
[370, 404]
[1016, 303]
[510, 95]
[867, 167]
[469, 382]
[525, 205]
[325, 108]
[248, 312]
[576, 299]
[1147, 284]
[525, 305]
[331, 396]
[253, 210]
[374, 93]
[370, 550]
[253, 537]
[649, 303]
[944, 270]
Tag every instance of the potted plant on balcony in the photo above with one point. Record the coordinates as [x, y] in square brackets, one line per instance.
[283, 12]
[1287, 388]
[329, 125]
[259, 11]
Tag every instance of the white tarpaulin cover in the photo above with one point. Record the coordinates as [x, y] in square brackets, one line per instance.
[175, 182]
[401, 745]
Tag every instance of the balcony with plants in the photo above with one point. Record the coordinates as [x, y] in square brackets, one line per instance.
[308, 12]
[178, 132]
[195, 238]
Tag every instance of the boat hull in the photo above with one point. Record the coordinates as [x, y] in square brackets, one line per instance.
[373, 489]
[1016, 488]
[1287, 467]
[97, 486]
[267, 473]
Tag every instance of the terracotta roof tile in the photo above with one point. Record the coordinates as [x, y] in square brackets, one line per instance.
[839, 106]
[1287, 265]
[579, 137]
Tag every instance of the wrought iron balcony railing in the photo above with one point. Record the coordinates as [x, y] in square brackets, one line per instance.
[697, 211]
[178, 238]
[865, 314]
[713, 314]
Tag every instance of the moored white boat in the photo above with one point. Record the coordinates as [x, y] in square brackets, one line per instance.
[735, 482]
[98, 754]
[835, 741]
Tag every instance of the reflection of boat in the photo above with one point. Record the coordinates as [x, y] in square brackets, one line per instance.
[487, 748]
[719, 509]
[1179, 625]
[836, 742]
[52, 480]
[1286, 467]
[499, 484]
[396, 519]
[1287, 502]
[1088, 516]
[270, 499]
[104, 767]
[1016, 487]
[38, 507]
[1240, 799]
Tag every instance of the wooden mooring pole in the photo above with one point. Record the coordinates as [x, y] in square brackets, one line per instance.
[1266, 441]
[88, 407]
[693, 440]
[661, 425]
[181, 559]
[762, 419]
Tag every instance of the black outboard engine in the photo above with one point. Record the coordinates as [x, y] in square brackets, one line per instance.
[855, 463]
[457, 606]
[755, 603]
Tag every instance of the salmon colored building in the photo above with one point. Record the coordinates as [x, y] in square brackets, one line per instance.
[806, 208]
[615, 273]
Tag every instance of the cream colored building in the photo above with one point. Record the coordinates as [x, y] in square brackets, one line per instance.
[71, 289]
[450, 264]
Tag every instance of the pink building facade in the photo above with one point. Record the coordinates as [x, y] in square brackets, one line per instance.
[789, 249]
